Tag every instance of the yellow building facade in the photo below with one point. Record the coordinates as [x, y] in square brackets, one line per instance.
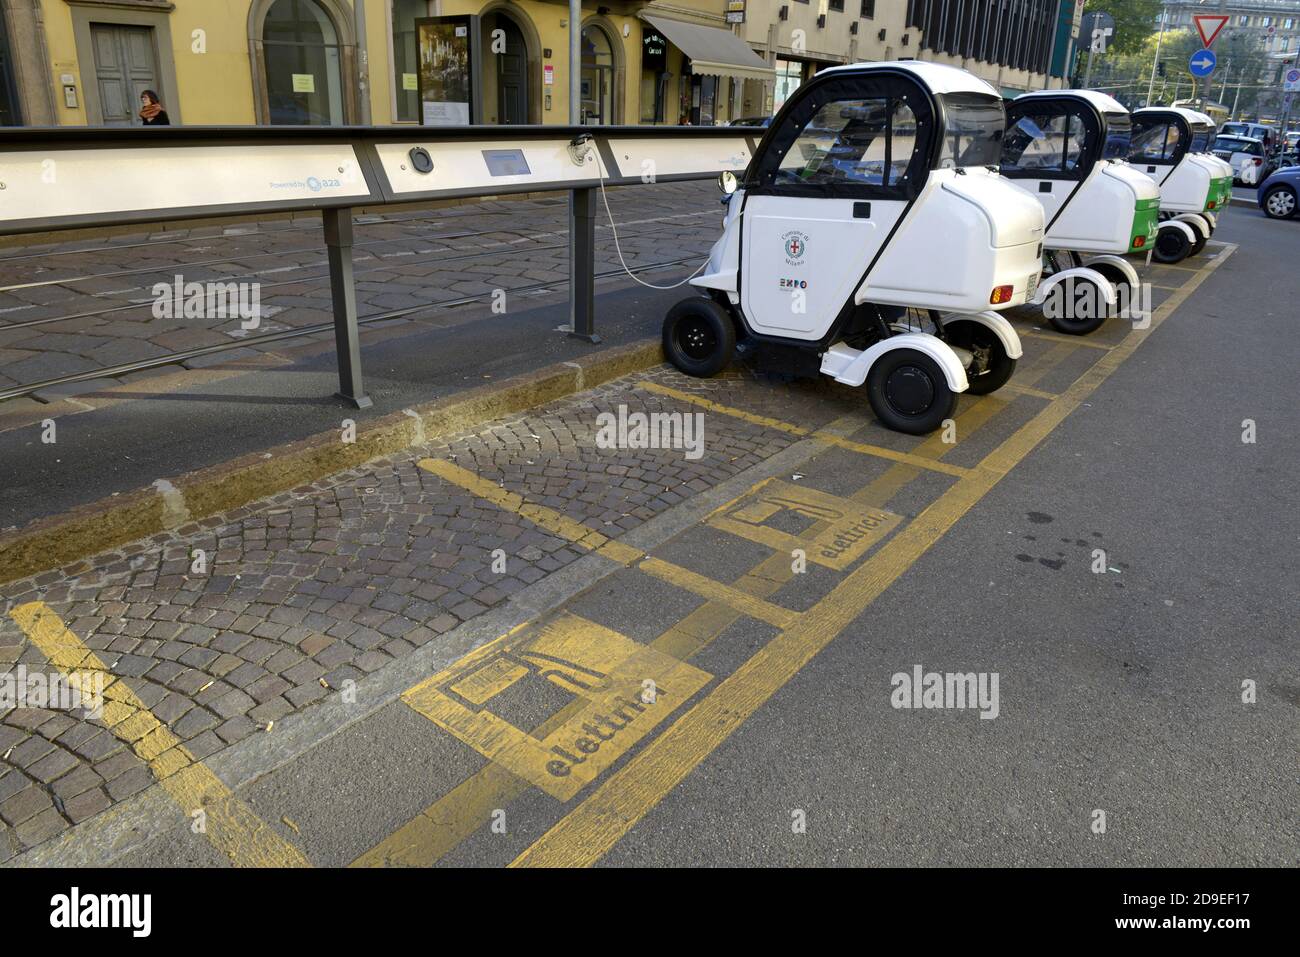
[333, 62]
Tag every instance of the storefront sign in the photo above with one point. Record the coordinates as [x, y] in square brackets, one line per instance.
[446, 70]
[654, 51]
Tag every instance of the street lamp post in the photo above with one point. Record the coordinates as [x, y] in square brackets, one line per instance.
[1159, 39]
[575, 61]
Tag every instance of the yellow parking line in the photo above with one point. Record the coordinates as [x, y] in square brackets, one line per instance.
[560, 525]
[714, 590]
[1029, 390]
[907, 458]
[818, 435]
[1066, 340]
[712, 406]
[230, 826]
[579, 534]
[587, 833]
[438, 829]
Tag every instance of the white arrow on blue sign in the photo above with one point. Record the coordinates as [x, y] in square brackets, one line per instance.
[1202, 62]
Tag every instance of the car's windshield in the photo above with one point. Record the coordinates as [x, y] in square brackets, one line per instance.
[973, 127]
[1234, 144]
[1119, 133]
[1238, 128]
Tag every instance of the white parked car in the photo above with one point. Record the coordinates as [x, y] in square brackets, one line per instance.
[1241, 152]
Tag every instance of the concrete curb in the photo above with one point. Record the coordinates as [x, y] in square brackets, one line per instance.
[59, 540]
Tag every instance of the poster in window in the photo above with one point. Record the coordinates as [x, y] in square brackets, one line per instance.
[446, 70]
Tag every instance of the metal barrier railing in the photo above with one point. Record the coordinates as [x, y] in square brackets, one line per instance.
[75, 178]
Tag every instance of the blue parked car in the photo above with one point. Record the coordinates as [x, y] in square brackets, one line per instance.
[1279, 195]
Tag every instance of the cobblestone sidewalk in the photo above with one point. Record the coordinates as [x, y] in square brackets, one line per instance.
[302, 592]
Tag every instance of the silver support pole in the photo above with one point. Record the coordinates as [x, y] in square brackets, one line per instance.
[1156, 62]
[575, 62]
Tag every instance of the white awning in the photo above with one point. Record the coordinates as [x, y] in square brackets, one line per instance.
[711, 50]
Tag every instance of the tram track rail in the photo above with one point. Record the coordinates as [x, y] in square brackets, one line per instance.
[154, 270]
[175, 358]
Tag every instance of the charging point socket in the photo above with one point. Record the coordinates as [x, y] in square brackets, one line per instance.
[421, 160]
[579, 147]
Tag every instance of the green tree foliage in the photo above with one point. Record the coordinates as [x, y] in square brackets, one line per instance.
[1126, 73]
[1135, 20]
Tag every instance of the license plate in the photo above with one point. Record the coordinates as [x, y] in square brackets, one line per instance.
[1033, 285]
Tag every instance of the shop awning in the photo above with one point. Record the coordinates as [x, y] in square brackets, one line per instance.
[712, 51]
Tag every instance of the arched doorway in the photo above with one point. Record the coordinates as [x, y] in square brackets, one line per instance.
[599, 103]
[509, 63]
[302, 65]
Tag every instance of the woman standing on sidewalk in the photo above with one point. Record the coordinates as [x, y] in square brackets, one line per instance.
[151, 110]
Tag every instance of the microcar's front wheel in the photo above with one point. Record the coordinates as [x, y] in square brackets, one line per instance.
[699, 337]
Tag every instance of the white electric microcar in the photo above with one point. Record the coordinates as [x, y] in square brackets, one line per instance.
[1205, 145]
[1190, 184]
[872, 210]
[1069, 150]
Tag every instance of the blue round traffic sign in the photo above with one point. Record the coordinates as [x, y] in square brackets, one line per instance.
[1202, 62]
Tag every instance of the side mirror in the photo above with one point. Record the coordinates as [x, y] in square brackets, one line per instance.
[727, 182]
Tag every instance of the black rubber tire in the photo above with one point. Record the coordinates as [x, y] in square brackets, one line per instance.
[1120, 281]
[967, 333]
[699, 337]
[1295, 203]
[1172, 246]
[1069, 326]
[918, 373]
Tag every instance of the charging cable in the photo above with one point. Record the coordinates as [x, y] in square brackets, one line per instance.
[583, 152]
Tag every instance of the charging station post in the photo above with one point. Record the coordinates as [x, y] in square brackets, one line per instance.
[109, 177]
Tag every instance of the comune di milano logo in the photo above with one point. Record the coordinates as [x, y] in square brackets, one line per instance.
[75, 909]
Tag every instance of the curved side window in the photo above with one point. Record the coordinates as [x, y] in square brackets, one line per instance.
[973, 129]
[861, 138]
[1049, 144]
[1155, 143]
[1119, 135]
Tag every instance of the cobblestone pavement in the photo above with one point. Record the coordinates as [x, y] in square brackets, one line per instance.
[84, 305]
[309, 589]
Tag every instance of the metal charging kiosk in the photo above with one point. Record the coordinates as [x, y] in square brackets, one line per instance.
[70, 178]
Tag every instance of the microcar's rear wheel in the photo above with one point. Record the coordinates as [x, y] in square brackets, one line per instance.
[990, 366]
[908, 392]
[699, 337]
[1172, 245]
[1126, 294]
[1076, 306]
[1202, 236]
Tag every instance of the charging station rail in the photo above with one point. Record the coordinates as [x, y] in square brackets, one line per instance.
[79, 178]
